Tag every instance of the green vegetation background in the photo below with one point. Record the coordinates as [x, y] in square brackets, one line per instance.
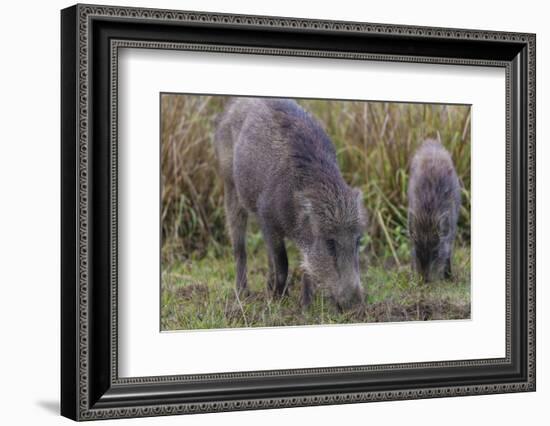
[374, 142]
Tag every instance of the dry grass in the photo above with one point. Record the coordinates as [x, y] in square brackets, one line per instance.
[374, 142]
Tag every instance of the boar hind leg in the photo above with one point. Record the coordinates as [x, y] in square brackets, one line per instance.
[447, 271]
[237, 217]
[278, 260]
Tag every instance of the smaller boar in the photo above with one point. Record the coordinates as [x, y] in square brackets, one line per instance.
[434, 205]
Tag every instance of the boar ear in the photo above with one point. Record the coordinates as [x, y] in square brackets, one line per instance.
[362, 213]
[303, 203]
[304, 208]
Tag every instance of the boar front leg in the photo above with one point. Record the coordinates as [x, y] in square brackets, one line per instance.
[447, 271]
[237, 217]
[278, 260]
[307, 291]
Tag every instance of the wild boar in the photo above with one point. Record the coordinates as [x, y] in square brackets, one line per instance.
[434, 205]
[278, 164]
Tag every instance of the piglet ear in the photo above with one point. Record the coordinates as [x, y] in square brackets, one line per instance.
[362, 213]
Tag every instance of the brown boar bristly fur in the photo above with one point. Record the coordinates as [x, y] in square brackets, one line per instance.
[278, 163]
[434, 205]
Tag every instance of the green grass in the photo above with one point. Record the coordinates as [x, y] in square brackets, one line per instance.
[200, 294]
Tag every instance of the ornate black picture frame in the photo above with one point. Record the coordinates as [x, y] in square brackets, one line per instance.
[90, 38]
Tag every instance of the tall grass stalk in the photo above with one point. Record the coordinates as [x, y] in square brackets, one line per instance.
[374, 142]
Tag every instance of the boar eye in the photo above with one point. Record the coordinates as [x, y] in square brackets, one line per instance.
[331, 245]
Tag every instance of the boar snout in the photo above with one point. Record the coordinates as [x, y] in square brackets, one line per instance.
[337, 273]
[429, 263]
[425, 273]
[423, 266]
[349, 296]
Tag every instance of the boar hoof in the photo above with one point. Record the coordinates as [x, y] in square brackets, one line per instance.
[280, 292]
[360, 312]
[243, 293]
[271, 283]
[447, 273]
[306, 296]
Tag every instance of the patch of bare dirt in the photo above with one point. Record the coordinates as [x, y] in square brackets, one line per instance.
[420, 311]
[192, 290]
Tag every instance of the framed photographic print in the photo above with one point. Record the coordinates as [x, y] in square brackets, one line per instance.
[263, 212]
